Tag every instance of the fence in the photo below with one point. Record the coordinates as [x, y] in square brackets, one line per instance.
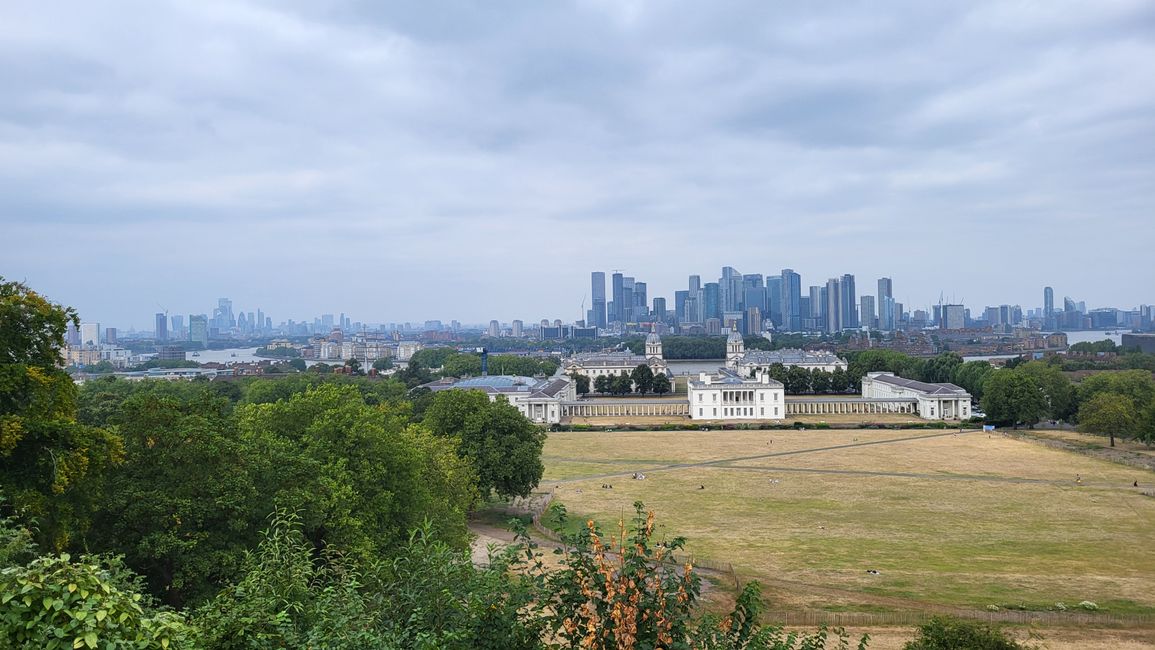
[813, 618]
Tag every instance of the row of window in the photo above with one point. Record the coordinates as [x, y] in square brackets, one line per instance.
[745, 411]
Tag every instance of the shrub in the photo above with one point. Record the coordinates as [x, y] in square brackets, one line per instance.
[943, 633]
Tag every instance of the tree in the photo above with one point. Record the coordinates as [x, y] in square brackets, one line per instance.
[1012, 397]
[797, 380]
[298, 365]
[383, 364]
[820, 381]
[1145, 426]
[602, 384]
[944, 633]
[971, 375]
[1057, 389]
[581, 383]
[1135, 384]
[461, 365]
[354, 366]
[941, 368]
[777, 372]
[321, 368]
[621, 384]
[643, 378]
[44, 453]
[839, 380]
[501, 444]
[1109, 413]
[661, 384]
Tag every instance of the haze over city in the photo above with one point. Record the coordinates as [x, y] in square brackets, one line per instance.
[479, 161]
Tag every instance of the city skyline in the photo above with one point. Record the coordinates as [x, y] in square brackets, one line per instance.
[404, 164]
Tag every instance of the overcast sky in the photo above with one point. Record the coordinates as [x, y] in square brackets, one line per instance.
[475, 160]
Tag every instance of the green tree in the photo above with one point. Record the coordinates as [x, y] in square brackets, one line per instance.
[1145, 426]
[1057, 389]
[354, 366]
[461, 365]
[298, 365]
[820, 381]
[621, 384]
[944, 633]
[1135, 384]
[840, 380]
[501, 444]
[602, 384]
[643, 378]
[1011, 397]
[1109, 413]
[383, 364]
[661, 384]
[44, 452]
[581, 383]
[321, 368]
[941, 368]
[971, 375]
[777, 372]
[797, 380]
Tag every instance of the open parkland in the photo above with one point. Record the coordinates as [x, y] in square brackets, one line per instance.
[874, 528]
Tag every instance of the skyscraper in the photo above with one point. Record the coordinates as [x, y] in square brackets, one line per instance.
[849, 303]
[730, 288]
[89, 334]
[712, 301]
[198, 329]
[886, 317]
[1048, 308]
[680, 299]
[641, 301]
[616, 288]
[161, 330]
[773, 307]
[791, 300]
[660, 310]
[626, 311]
[598, 294]
[866, 311]
[834, 313]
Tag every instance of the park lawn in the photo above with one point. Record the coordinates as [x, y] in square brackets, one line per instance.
[957, 540]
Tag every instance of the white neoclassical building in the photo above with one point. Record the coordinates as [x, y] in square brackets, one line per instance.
[597, 364]
[746, 363]
[726, 395]
[935, 401]
[540, 400]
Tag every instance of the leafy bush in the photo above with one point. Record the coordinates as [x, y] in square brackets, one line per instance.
[944, 633]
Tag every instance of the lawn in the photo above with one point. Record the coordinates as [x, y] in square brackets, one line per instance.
[967, 520]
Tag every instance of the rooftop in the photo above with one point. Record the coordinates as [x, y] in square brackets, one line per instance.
[792, 356]
[920, 386]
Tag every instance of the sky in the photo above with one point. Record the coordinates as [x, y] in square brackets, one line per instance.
[474, 160]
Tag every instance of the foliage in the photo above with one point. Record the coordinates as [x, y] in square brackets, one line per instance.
[642, 378]
[661, 384]
[279, 352]
[602, 384]
[581, 383]
[32, 329]
[1011, 397]
[621, 384]
[54, 602]
[1110, 413]
[383, 364]
[941, 633]
[503, 447]
[1094, 347]
[1057, 389]
[971, 376]
[1135, 384]
[941, 368]
[740, 630]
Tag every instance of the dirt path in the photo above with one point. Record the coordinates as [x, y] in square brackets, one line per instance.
[1116, 455]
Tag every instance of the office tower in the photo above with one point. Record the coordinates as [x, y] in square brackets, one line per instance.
[327, 323]
[161, 330]
[627, 309]
[72, 334]
[792, 301]
[617, 281]
[954, 317]
[885, 289]
[886, 313]
[223, 315]
[817, 311]
[834, 314]
[712, 301]
[730, 288]
[849, 305]
[773, 306]
[198, 329]
[517, 328]
[641, 302]
[1048, 308]
[110, 335]
[754, 297]
[866, 311]
[752, 281]
[89, 334]
[495, 327]
[695, 284]
[693, 309]
[753, 321]
[598, 294]
[680, 299]
[177, 330]
[660, 310]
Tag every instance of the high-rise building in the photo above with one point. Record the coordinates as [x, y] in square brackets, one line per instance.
[598, 294]
[849, 304]
[617, 282]
[198, 329]
[730, 289]
[1048, 308]
[834, 313]
[817, 308]
[773, 306]
[161, 330]
[712, 301]
[627, 308]
[177, 330]
[885, 288]
[110, 335]
[660, 310]
[791, 300]
[953, 317]
[517, 327]
[223, 318]
[89, 334]
[680, 299]
[866, 311]
[495, 328]
[886, 314]
[641, 302]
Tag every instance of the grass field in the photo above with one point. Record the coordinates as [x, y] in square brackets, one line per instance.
[968, 520]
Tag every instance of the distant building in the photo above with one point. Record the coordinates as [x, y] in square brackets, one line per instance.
[748, 363]
[953, 317]
[597, 364]
[170, 353]
[89, 334]
[198, 329]
[161, 329]
[494, 329]
[935, 401]
[726, 395]
[1145, 342]
[539, 400]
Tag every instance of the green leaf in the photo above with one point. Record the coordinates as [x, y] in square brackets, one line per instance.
[90, 639]
[101, 614]
[71, 587]
[77, 642]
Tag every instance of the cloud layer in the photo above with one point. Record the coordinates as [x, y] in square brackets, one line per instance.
[476, 160]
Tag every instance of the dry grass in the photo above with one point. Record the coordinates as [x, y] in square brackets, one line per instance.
[974, 520]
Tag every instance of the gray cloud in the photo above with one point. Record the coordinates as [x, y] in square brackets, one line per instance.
[474, 160]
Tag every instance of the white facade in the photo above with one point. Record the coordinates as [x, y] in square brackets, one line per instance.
[727, 396]
[747, 363]
[539, 400]
[935, 401]
[597, 364]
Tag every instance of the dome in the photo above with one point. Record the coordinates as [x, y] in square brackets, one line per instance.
[653, 339]
[734, 337]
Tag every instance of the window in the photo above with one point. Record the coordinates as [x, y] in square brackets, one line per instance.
[775, 397]
[715, 411]
[699, 412]
[762, 396]
[762, 411]
[699, 397]
[715, 397]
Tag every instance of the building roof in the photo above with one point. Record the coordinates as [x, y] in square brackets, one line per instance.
[729, 378]
[653, 339]
[733, 337]
[919, 386]
[503, 385]
[594, 359]
[792, 357]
